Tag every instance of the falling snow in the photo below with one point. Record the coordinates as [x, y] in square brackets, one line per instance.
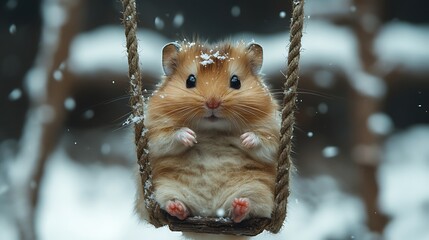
[11, 4]
[58, 75]
[88, 114]
[178, 20]
[330, 151]
[380, 123]
[235, 11]
[69, 103]
[105, 149]
[220, 212]
[322, 108]
[15, 94]
[12, 29]
[159, 23]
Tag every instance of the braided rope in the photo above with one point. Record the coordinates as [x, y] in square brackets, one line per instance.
[137, 105]
[281, 191]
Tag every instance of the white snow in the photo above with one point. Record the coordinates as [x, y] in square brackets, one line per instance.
[88, 114]
[327, 7]
[324, 78]
[368, 84]
[178, 20]
[330, 151]
[220, 212]
[335, 48]
[8, 229]
[207, 57]
[69, 103]
[105, 149]
[88, 202]
[403, 45]
[322, 108]
[104, 50]
[58, 75]
[54, 16]
[96, 202]
[11, 4]
[132, 119]
[380, 123]
[15, 94]
[159, 23]
[235, 11]
[12, 29]
[324, 45]
[54, 13]
[404, 178]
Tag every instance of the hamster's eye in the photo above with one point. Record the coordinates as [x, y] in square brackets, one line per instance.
[191, 81]
[235, 82]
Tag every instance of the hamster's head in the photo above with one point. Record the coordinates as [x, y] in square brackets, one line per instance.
[213, 86]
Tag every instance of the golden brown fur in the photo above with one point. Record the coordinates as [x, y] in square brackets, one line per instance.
[230, 151]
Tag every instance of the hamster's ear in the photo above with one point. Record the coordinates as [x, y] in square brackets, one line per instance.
[169, 60]
[256, 56]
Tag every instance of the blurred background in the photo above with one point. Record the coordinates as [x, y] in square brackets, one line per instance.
[67, 161]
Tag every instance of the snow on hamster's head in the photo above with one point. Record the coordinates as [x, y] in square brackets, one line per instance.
[213, 85]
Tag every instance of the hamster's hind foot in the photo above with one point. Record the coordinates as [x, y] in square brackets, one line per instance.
[177, 209]
[240, 209]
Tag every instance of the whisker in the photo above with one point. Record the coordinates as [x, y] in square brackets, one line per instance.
[251, 109]
[278, 92]
[237, 117]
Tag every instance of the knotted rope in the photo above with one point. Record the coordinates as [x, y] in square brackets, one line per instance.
[281, 192]
[286, 132]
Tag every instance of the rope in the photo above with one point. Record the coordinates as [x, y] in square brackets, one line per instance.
[137, 104]
[281, 192]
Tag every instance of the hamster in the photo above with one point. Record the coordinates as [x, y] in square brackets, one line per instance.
[213, 133]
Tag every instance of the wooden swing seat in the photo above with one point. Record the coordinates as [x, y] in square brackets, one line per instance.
[215, 225]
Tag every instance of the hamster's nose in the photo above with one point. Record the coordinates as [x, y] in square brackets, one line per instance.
[213, 103]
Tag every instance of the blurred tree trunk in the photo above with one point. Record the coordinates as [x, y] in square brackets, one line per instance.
[367, 150]
[48, 84]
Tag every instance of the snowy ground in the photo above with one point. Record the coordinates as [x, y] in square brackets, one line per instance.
[95, 201]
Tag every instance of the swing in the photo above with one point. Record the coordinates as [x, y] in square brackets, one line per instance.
[214, 225]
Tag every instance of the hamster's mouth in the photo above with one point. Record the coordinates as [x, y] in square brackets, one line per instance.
[212, 118]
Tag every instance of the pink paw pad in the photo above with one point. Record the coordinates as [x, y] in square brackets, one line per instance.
[177, 209]
[240, 209]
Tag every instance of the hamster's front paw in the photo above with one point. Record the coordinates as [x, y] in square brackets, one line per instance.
[250, 140]
[186, 136]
